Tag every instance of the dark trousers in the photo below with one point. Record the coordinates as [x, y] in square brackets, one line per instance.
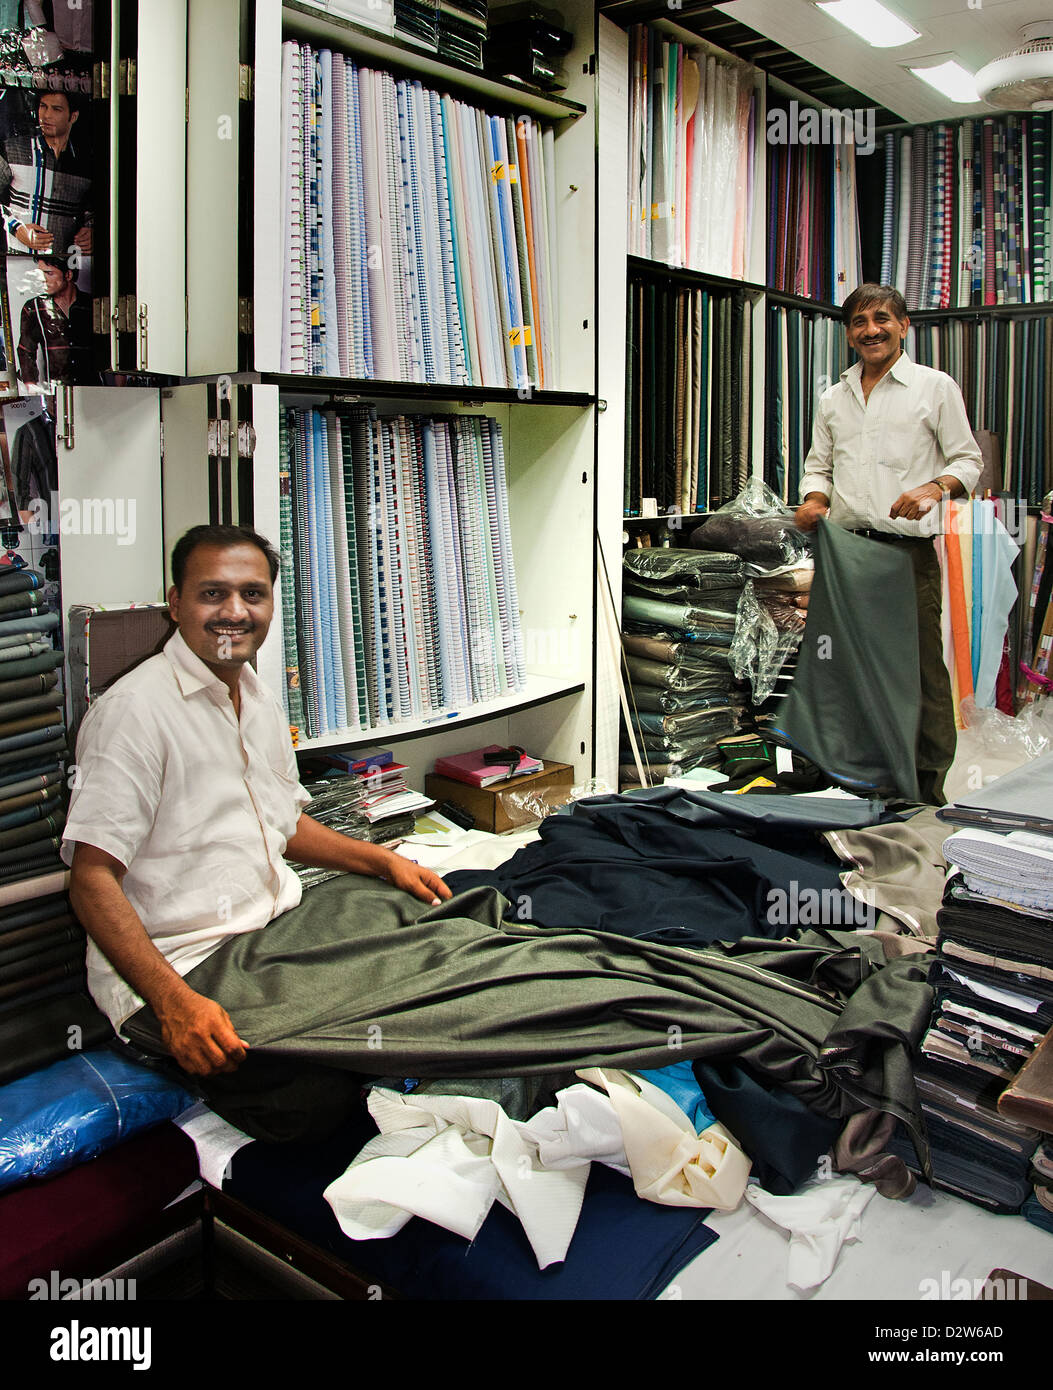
[937, 734]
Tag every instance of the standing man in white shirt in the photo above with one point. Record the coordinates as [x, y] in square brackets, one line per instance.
[187, 801]
[890, 441]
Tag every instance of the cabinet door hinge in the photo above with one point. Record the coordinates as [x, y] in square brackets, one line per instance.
[126, 77]
[100, 314]
[219, 439]
[246, 82]
[100, 81]
[245, 323]
[162, 434]
[246, 439]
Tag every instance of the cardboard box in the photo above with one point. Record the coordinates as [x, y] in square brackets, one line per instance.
[492, 808]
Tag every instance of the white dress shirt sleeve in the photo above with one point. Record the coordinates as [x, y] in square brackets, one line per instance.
[819, 465]
[117, 781]
[957, 443]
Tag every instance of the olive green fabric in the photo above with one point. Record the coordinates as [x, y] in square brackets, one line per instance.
[367, 979]
[854, 707]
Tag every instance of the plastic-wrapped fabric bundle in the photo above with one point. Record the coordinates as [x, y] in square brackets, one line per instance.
[759, 649]
[681, 678]
[715, 629]
[706, 570]
[718, 605]
[756, 525]
[684, 725]
[672, 651]
[75, 1109]
[797, 581]
[657, 701]
[687, 749]
[783, 612]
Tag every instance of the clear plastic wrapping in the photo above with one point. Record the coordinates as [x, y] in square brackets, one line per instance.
[525, 805]
[993, 743]
[687, 679]
[702, 569]
[759, 648]
[757, 526]
[76, 1109]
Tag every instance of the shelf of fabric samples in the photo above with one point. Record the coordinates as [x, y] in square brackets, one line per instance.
[991, 972]
[710, 628]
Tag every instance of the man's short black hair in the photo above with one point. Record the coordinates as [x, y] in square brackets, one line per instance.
[869, 294]
[59, 262]
[72, 99]
[222, 536]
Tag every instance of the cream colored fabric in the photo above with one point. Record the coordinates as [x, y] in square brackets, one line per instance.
[669, 1163]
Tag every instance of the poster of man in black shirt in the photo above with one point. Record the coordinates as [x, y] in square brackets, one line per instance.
[54, 337]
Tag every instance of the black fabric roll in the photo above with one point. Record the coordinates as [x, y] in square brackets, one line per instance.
[30, 599]
[42, 796]
[46, 827]
[43, 945]
[46, 863]
[30, 684]
[31, 666]
[33, 910]
[14, 581]
[42, 1035]
[16, 989]
[39, 961]
[25, 1004]
[30, 931]
[33, 704]
[26, 757]
[32, 850]
[44, 719]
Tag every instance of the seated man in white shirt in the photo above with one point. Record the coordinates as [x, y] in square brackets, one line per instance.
[187, 801]
[890, 440]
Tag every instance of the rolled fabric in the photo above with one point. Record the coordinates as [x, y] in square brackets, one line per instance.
[33, 704]
[14, 689]
[27, 738]
[28, 723]
[23, 757]
[47, 661]
[30, 600]
[963, 665]
[24, 649]
[43, 621]
[13, 581]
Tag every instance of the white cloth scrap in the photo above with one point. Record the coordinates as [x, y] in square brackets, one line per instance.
[824, 1215]
[448, 1158]
[1017, 866]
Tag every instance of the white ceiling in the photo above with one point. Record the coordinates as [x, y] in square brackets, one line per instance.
[949, 29]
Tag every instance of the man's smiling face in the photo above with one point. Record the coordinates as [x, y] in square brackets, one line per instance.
[226, 604]
[876, 334]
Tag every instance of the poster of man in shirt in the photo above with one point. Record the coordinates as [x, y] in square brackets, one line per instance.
[51, 318]
[45, 181]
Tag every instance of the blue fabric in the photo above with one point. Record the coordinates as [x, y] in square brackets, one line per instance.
[678, 1082]
[75, 1109]
[623, 1247]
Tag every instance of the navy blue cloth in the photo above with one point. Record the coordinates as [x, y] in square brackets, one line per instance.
[676, 868]
[623, 1247]
[781, 1135]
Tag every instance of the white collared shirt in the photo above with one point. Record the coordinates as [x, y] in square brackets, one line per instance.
[197, 803]
[911, 430]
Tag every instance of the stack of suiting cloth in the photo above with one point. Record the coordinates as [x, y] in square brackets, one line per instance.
[993, 977]
[678, 622]
[32, 729]
[418, 22]
[778, 569]
[462, 31]
[528, 42]
[42, 979]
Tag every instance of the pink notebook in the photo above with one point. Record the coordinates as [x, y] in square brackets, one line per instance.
[470, 767]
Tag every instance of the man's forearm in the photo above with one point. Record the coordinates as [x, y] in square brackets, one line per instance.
[319, 847]
[113, 924]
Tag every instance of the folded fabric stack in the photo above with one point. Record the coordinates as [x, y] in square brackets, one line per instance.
[339, 801]
[679, 614]
[528, 42]
[32, 729]
[993, 976]
[462, 30]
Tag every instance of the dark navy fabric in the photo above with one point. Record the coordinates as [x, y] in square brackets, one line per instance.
[623, 1247]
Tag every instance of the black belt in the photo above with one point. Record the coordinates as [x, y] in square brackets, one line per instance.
[891, 536]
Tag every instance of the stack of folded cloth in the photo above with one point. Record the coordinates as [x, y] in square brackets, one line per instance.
[32, 729]
[528, 42]
[778, 570]
[336, 801]
[462, 31]
[993, 977]
[678, 620]
[418, 22]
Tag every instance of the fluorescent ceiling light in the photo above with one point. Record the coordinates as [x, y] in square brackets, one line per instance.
[952, 80]
[870, 21]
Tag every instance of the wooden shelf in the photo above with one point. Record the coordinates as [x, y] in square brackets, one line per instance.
[801, 301]
[366, 389]
[539, 690]
[402, 56]
[984, 311]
